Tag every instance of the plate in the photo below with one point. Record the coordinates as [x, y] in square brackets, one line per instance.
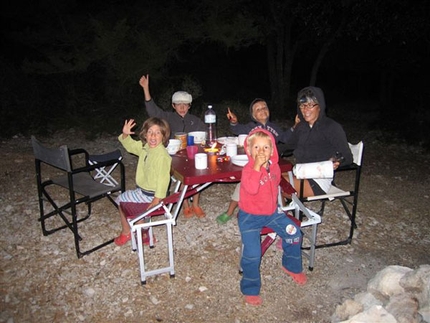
[228, 140]
[239, 160]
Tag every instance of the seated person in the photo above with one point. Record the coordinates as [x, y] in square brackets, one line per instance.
[316, 138]
[180, 120]
[260, 116]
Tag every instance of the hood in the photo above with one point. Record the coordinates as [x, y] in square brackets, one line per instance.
[250, 107]
[274, 158]
[311, 92]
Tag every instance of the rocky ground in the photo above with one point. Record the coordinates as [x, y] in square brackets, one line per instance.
[43, 281]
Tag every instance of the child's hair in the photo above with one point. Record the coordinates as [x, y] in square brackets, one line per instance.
[164, 127]
[259, 134]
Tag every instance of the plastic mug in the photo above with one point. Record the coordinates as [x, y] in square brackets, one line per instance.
[192, 151]
[201, 161]
[190, 140]
[241, 139]
[182, 136]
[231, 150]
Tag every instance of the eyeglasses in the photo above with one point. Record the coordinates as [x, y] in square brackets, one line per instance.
[308, 106]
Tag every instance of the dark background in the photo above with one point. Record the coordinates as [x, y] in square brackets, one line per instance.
[77, 63]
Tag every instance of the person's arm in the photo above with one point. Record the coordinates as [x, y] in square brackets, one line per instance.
[127, 128]
[151, 108]
[239, 128]
[131, 145]
[339, 141]
[144, 83]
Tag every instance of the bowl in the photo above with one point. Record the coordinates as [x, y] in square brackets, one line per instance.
[173, 146]
[239, 160]
[199, 136]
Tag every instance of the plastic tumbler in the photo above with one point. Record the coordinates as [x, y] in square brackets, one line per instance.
[190, 140]
[192, 151]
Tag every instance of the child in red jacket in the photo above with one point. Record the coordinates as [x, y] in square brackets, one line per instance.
[258, 208]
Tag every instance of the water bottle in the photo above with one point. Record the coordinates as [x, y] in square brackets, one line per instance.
[210, 120]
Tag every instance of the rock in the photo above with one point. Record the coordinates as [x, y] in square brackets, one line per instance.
[347, 309]
[387, 282]
[418, 283]
[375, 314]
[404, 308]
[395, 294]
[367, 300]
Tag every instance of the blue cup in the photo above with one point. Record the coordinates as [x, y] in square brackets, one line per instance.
[190, 141]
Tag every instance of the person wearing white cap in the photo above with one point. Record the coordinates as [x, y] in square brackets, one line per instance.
[180, 121]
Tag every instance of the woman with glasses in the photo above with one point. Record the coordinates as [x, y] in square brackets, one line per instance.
[317, 138]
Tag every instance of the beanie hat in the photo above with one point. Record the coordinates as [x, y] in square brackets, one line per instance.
[182, 97]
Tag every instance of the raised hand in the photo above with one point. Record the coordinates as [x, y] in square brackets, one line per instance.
[144, 81]
[128, 125]
[231, 116]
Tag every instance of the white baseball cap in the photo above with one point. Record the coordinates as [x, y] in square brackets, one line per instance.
[182, 97]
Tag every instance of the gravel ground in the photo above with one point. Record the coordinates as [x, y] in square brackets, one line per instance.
[43, 281]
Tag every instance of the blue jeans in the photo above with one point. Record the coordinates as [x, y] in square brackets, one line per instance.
[250, 227]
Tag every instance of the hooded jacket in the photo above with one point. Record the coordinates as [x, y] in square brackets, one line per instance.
[277, 132]
[321, 141]
[259, 189]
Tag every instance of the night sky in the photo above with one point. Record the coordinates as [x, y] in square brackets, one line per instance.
[383, 62]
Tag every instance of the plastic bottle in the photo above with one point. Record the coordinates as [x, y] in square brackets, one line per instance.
[210, 120]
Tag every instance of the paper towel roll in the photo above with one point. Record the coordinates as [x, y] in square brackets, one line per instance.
[314, 170]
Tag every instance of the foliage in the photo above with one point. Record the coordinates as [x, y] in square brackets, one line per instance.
[77, 64]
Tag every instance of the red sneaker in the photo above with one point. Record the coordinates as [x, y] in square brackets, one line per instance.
[122, 239]
[254, 300]
[199, 212]
[299, 278]
[188, 212]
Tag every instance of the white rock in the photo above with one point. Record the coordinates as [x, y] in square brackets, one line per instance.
[375, 314]
[89, 292]
[387, 281]
[367, 299]
[154, 300]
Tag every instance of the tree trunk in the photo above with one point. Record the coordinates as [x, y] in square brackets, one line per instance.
[280, 57]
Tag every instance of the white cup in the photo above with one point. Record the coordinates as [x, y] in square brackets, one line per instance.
[241, 139]
[201, 161]
[231, 150]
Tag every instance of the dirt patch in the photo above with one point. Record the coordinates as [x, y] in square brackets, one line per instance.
[42, 280]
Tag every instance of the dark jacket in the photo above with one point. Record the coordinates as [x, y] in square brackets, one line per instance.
[323, 140]
[176, 122]
[277, 132]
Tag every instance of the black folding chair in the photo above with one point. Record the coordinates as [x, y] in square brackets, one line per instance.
[65, 184]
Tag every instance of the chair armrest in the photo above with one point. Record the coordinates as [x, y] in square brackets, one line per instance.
[352, 166]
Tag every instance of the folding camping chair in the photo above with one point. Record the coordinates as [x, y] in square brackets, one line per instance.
[104, 173]
[347, 198]
[67, 175]
[141, 221]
